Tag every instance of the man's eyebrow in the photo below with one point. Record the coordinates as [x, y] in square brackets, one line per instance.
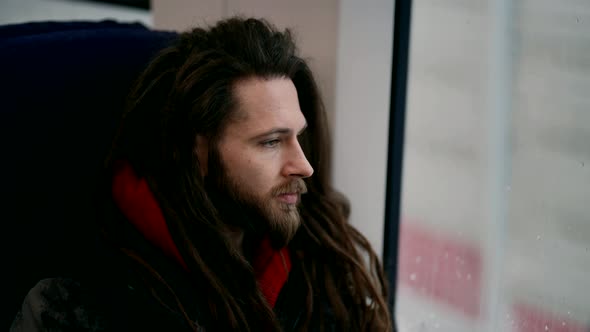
[282, 131]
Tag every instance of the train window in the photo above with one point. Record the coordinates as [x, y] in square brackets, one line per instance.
[495, 225]
[18, 11]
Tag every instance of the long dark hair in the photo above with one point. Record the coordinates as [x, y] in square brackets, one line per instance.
[187, 91]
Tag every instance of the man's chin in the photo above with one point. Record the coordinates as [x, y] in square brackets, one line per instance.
[282, 234]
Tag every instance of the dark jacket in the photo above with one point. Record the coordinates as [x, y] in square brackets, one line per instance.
[62, 304]
[113, 298]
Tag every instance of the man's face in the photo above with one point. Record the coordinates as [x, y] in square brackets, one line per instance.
[261, 163]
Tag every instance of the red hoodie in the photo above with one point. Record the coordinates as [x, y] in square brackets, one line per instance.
[136, 201]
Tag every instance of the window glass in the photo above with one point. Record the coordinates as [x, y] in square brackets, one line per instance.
[495, 230]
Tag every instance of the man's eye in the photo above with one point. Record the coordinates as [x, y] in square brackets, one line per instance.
[271, 143]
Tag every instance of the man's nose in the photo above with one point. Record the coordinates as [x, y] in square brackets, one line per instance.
[297, 164]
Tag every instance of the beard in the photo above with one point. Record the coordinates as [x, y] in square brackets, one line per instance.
[257, 215]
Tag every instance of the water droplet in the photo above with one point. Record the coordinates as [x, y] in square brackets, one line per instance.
[562, 323]
[569, 313]
[458, 273]
[437, 325]
[546, 328]
[508, 188]
[582, 164]
[469, 278]
[418, 259]
[577, 20]
[413, 276]
[538, 237]
[447, 255]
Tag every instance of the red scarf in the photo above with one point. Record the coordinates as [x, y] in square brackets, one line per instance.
[136, 201]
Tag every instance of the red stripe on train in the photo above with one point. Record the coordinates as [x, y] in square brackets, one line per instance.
[443, 269]
[532, 319]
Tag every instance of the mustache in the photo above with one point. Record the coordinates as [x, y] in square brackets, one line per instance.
[295, 186]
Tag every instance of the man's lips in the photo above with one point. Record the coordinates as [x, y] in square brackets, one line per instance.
[289, 198]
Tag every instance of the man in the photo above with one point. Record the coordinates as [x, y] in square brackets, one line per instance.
[219, 213]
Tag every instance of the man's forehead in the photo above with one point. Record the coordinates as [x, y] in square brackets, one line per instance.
[264, 102]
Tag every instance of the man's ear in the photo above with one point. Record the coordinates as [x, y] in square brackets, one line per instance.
[202, 152]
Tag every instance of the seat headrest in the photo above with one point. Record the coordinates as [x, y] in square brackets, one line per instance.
[62, 91]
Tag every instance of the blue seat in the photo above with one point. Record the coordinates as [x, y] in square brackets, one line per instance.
[62, 90]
